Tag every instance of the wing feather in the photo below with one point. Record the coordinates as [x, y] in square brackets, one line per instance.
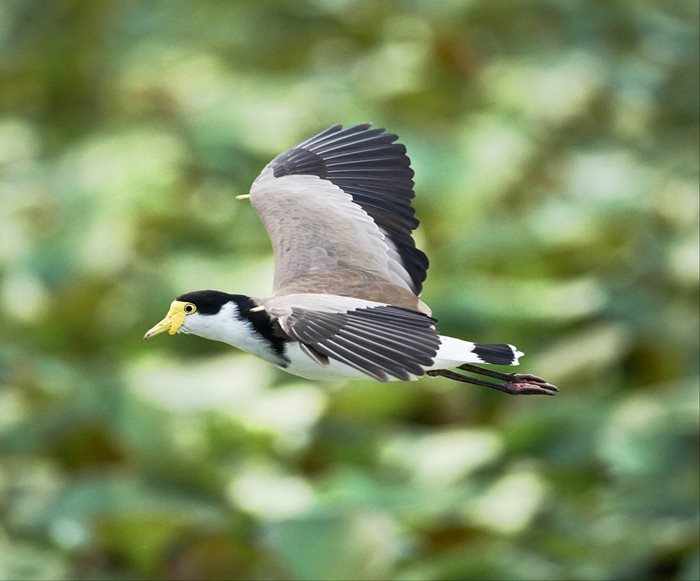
[379, 340]
[366, 164]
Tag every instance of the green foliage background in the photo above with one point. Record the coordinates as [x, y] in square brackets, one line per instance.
[555, 144]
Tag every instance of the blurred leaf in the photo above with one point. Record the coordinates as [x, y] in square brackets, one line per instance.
[357, 545]
[25, 561]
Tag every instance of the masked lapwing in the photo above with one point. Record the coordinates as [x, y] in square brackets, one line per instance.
[345, 299]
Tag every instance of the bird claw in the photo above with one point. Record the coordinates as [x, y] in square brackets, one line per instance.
[527, 384]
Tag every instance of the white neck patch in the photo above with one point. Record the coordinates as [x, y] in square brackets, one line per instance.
[228, 327]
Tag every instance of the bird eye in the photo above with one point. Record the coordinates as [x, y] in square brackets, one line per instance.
[190, 308]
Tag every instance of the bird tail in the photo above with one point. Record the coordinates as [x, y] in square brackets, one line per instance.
[454, 352]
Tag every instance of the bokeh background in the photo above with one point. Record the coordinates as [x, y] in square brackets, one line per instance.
[555, 144]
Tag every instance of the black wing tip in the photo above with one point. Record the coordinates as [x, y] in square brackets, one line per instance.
[358, 128]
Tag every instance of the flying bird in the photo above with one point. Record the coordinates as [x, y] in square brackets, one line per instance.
[348, 276]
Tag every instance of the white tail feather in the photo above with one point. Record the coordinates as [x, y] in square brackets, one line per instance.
[454, 352]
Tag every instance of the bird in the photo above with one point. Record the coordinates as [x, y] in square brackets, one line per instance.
[345, 302]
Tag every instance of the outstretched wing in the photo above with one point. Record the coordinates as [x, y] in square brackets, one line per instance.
[342, 201]
[376, 339]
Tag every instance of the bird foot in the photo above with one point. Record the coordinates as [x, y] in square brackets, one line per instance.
[513, 383]
[527, 384]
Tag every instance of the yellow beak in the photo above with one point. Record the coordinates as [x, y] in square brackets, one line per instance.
[172, 321]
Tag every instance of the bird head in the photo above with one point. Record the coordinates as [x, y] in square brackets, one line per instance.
[174, 321]
[195, 312]
[234, 319]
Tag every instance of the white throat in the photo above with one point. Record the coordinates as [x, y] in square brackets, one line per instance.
[228, 327]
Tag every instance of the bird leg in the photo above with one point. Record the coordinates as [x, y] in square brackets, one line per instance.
[514, 383]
